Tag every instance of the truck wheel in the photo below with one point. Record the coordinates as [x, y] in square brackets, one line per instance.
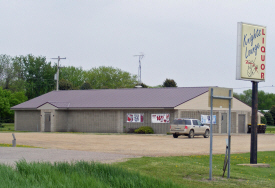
[175, 135]
[191, 134]
[206, 134]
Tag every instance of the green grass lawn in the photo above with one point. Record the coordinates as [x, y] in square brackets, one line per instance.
[184, 171]
[79, 174]
[270, 129]
[21, 146]
[193, 171]
[7, 127]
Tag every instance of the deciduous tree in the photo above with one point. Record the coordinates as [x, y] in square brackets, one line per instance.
[8, 100]
[169, 83]
[75, 75]
[86, 86]
[37, 73]
[110, 78]
[65, 85]
[265, 100]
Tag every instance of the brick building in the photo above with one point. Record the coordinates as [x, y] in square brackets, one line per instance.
[118, 110]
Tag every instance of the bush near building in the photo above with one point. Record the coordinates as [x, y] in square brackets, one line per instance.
[145, 130]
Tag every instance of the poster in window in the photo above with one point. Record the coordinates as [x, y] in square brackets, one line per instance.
[135, 118]
[160, 118]
[205, 119]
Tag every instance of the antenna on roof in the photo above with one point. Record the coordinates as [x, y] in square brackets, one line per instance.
[139, 68]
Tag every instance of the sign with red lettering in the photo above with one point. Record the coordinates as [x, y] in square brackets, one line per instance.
[160, 118]
[251, 52]
[135, 118]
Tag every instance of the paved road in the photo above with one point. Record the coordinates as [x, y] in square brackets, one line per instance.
[9, 155]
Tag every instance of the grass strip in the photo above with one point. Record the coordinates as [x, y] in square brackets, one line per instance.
[193, 171]
[79, 174]
[21, 146]
[270, 130]
[7, 127]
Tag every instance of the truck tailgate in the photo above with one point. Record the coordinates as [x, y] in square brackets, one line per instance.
[177, 127]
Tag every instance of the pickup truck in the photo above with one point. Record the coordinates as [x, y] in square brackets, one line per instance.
[188, 127]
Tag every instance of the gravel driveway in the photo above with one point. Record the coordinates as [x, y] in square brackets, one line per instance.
[9, 155]
[116, 147]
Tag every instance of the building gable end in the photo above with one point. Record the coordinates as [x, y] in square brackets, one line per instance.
[47, 105]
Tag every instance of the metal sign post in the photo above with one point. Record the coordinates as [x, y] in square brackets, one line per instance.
[211, 137]
[254, 119]
[221, 94]
[229, 135]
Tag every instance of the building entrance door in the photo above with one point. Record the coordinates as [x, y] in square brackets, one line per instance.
[47, 122]
[224, 123]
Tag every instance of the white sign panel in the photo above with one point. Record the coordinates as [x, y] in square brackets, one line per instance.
[205, 119]
[135, 118]
[251, 52]
[160, 118]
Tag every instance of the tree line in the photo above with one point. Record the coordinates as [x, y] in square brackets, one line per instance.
[266, 104]
[25, 77]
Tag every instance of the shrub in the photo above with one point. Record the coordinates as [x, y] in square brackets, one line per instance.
[263, 120]
[269, 119]
[145, 130]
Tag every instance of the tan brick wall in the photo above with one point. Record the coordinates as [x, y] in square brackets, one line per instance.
[159, 128]
[27, 120]
[112, 121]
[104, 121]
[61, 121]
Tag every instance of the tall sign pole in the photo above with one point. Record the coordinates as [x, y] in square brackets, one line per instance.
[57, 73]
[251, 49]
[254, 120]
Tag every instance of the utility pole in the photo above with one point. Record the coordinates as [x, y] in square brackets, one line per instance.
[139, 68]
[57, 73]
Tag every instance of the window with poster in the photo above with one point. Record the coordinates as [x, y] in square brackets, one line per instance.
[160, 118]
[135, 118]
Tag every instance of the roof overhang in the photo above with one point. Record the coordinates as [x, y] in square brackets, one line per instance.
[100, 108]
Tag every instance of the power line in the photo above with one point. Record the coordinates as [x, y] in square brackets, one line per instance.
[250, 87]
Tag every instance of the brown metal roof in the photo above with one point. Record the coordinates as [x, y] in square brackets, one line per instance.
[116, 98]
